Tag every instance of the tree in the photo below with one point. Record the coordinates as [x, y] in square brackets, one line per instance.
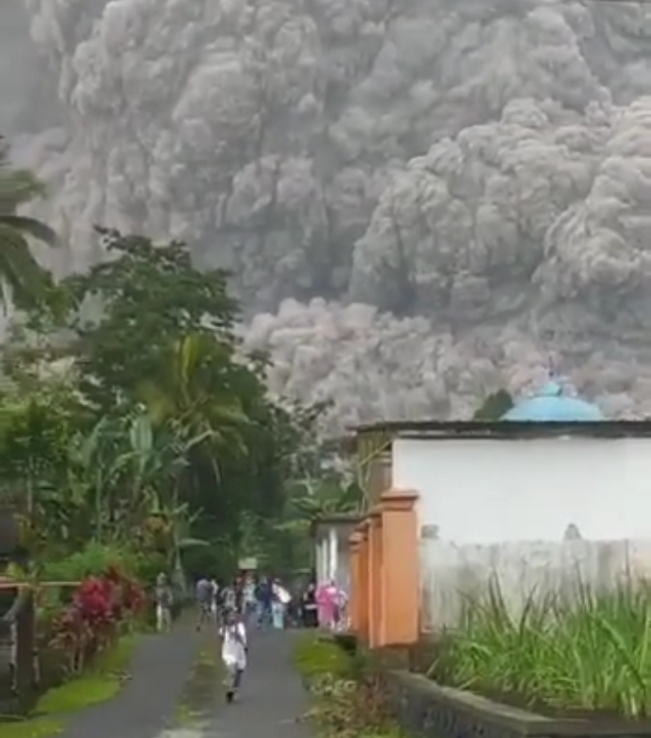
[494, 407]
[29, 283]
[152, 332]
[130, 310]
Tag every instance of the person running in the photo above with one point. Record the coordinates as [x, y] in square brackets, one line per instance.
[164, 600]
[204, 599]
[234, 652]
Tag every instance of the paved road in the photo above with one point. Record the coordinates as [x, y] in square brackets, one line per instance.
[159, 671]
[272, 699]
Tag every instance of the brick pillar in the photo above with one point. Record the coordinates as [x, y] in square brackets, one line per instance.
[363, 599]
[375, 578]
[354, 544]
[400, 587]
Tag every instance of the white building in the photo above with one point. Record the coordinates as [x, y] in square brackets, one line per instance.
[331, 551]
[549, 495]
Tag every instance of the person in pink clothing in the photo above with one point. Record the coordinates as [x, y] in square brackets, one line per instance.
[326, 601]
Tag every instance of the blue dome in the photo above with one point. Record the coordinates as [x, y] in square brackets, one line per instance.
[551, 404]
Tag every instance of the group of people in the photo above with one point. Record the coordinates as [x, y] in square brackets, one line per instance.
[263, 603]
[249, 602]
[324, 606]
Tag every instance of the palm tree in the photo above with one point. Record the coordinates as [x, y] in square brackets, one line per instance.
[18, 267]
[194, 392]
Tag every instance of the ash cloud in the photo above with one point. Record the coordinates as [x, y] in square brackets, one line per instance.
[419, 201]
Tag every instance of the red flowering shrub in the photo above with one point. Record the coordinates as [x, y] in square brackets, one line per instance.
[100, 608]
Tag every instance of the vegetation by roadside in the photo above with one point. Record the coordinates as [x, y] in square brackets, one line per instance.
[579, 656]
[348, 700]
[99, 683]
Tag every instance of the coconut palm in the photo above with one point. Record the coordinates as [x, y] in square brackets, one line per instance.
[18, 267]
[194, 394]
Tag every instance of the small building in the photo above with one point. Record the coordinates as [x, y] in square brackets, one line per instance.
[331, 534]
[551, 493]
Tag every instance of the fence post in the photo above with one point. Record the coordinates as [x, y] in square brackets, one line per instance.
[400, 588]
[25, 648]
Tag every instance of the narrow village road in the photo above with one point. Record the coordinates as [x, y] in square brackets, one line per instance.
[271, 703]
[272, 699]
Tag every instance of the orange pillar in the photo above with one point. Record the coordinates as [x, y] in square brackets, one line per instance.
[375, 576]
[363, 598]
[354, 543]
[400, 588]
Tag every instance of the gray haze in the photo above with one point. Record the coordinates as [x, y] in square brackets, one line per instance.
[420, 199]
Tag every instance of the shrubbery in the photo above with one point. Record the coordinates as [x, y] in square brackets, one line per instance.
[349, 700]
[559, 655]
[102, 609]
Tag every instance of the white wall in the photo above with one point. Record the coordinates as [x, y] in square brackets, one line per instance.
[496, 491]
[451, 573]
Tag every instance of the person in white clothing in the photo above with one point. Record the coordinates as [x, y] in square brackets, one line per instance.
[234, 652]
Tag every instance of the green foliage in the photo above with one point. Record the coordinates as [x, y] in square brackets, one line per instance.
[29, 283]
[590, 652]
[494, 407]
[95, 558]
[145, 299]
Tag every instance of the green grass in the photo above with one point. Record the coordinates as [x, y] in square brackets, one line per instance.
[591, 651]
[99, 684]
[37, 728]
[316, 655]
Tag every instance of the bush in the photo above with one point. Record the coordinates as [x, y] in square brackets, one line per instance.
[102, 609]
[561, 656]
[95, 558]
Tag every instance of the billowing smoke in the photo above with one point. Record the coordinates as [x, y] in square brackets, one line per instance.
[420, 199]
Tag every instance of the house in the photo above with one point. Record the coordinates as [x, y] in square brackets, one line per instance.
[551, 494]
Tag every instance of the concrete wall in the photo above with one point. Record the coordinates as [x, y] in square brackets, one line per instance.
[497, 491]
[499, 509]
[450, 572]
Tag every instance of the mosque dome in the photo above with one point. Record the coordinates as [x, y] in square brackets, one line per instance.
[551, 403]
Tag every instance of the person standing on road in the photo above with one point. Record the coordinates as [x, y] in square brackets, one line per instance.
[164, 599]
[214, 597]
[248, 595]
[265, 601]
[203, 595]
[309, 607]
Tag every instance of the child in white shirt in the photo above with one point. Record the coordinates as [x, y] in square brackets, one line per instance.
[234, 651]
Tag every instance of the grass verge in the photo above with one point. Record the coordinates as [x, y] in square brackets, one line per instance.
[348, 700]
[99, 684]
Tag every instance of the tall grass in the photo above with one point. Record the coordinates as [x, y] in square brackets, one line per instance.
[588, 652]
